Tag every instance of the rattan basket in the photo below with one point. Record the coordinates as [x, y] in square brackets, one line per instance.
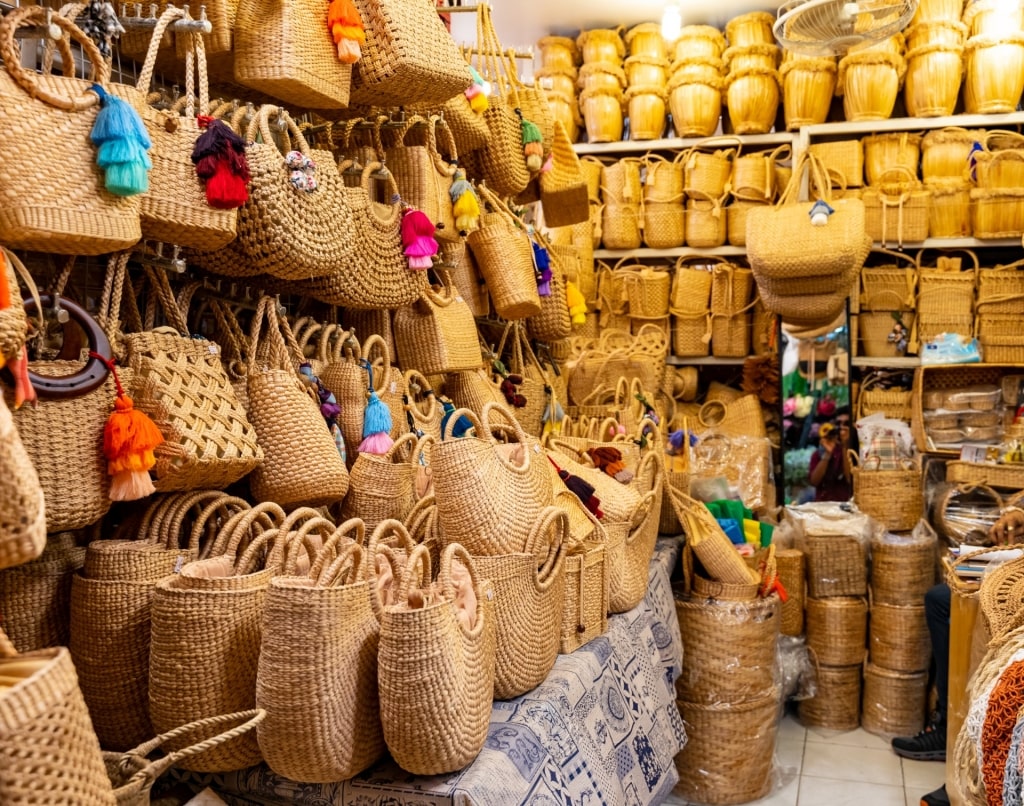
[620, 226]
[791, 568]
[869, 82]
[997, 213]
[899, 638]
[884, 153]
[699, 42]
[706, 224]
[836, 704]
[646, 40]
[837, 629]
[889, 287]
[946, 289]
[752, 98]
[893, 702]
[995, 73]
[602, 114]
[664, 225]
[932, 83]
[695, 101]
[897, 211]
[736, 220]
[558, 53]
[836, 566]
[895, 498]
[902, 568]
[944, 153]
[845, 158]
[950, 213]
[601, 45]
[875, 333]
[808, 85]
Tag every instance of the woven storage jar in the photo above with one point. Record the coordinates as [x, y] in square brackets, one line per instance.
[885, 153]
[895, 498]
[646, 71]
[752, 99]
[601, 76]
[728, 754]
[699, 42]
[808, 85]
[836, 566]
[730, 647]
[869, 83]
[647, 110]
[837, 629]
[997, 213]
[791, 566]
[991, 18]
[558, 53]
[646, 40]
[695, 101]
[949, 31]
[943, 10]
[566, 110]
[601, 45]
[899, 638]
[949, 214]
[754, 28]
[745, 57]
[836, 704]
[894, 702]
[995, 73]
[932, 83]
[902, 568]
[945, 153]
[844, 158]
[602, 115]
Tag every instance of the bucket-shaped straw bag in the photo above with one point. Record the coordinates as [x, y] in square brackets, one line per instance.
[489, 494]
[423, 411]
[436, 664]
[382, 487]
[437, 333]
[563, 190]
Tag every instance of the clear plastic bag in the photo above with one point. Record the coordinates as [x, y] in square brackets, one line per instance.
[745, 463]
[964, 514]
[836, 539]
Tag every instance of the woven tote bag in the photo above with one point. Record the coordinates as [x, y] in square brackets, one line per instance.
[459, 262]
[489, 494]
[534, 386]
[437, 334]
[423, 177]
[423, 412]
[504, 254]
[528, 602]
[301, 461]
[67, 211]
[382, 487]
[409, 56]
[317, 677]
[48, 750]
[563, 189]
[285, 50]
[377, 274]
[345, 374]
[181, 384]
[553, 323]
[630, 555]
[388, 381]
[435, 670]
[175, 210]
[23, 517]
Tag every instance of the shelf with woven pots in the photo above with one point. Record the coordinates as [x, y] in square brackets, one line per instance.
[682, 143]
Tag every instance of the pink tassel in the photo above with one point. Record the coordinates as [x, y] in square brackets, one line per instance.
[549, 164]
[418, 239]
[378, 444]
[421, 263]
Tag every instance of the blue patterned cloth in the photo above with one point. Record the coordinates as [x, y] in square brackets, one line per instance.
[602, 730]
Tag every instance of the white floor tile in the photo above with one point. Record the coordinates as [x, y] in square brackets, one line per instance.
[789, 755]
[838, 792]
[852, 763]
[912, 796]
[850, 738]
[923, 775]
[790, 728]
[784, 796]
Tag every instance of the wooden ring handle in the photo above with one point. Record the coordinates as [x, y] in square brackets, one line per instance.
[93, 374]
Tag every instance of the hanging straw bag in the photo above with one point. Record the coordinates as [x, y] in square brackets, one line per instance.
[382, 487]
[317, 676]
[345, 374]
[377, 275]
[23, 519]
[436, 672]
[301, 461]
[423, 177]
[437, 334]
[535, 386]
[553, 323]
[285, 50]
[48, 750]
[175, 209]
[564, 192]
[459, 261]
[629, 553]
[409, 56]
[422, 409]
[528, 602]
[68, 211]
[489, 494]
[505, 256]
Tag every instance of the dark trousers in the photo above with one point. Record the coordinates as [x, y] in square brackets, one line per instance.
[936, 613]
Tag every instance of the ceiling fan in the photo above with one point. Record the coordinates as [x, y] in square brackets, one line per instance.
[835, 26]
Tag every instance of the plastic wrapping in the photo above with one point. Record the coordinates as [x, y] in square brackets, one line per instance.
[903, 566]
[899, 639]
[835, 539]
[964, 514]
[893, 702]
[796, 671]
[837, 629]
[876, 427]
[739, 467]
[836, 702]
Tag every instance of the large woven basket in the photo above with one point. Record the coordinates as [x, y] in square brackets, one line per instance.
[630, 558]
[807, 88]
[895, 498]
[844, 158]
[944, 153]
[728, 754]
[893, 702]
[837, 629]
[836, 566]
[899, 638]
[932, 83]
[889, 152]
[695, 101]
[902, 568]
[995, 73]
[585, 611]
[790, 564]
[752, 97]
[869, 82]
[381, 487]
[897, 209]
[836, 704]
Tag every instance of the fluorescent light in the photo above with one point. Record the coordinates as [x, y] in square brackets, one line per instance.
[671, 22]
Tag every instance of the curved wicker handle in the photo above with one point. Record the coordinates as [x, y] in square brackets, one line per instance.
[551, 528]
[246, 524]
[170, 531]
[389, 532]
[521, 437]
[225, 507]
[452, 552]
[470, 415]
[303, 538]
[644, 509]
[376, 340]
[330, 549]
[169, 15]
[918, 258]
[346, 569]
[261, 123]
[412, 377]
[419, 518]
[417, 572]
[395, 200]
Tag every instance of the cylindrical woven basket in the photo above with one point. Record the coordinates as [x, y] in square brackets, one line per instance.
[691, 335]
[695, 102]
[997, 213]
[730, 648]
[620, 182]
[995, 73]
[754, 28]
[736, 220]
[752, 98]
[647, 291]
[601, 76]
[837, 629]
[664, 225]
[902, 569]
[630, 546]
[601, 45]
[836, 566]
[706, 224]
[899, 638]
[949, 215]
[503, 252]
[761, 56]
[808, 85]
[869, 82]
[895, 498]
[602, 115]
[646, 40]
[558, 53]
[932, 83]
[728, 754]
[887, 152]
[620, 226]
[944, 153]
[894, 702]
[790, 565]
[699, 42]
[836, 704]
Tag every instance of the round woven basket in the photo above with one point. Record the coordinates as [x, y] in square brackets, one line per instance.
[729, 749]
[899, 638]
[750, 29]
[902, 569]
[836, 704]
[563, 82]
[730, 648]
[895, 498]
[894, 702]
[601, 45]
[602, 115]
[699, 42]
[932, 83]
[752, 97]
[808, 85]
[558, 53]
[869, 83]
[995, 74]
[992, 18]
[836, 566]
[695, 103]
[837, 629]
[790, 565]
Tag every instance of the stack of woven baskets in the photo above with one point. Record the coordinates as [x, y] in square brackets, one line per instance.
[997, 203]
[711, 308]
[896, 204]
[664, 202]
[935, 51]
[870, 77]
[696, 84]
[757, 179]
[621, 198]
[752, 82]
[646, 81]
[945, 297]
[706, 175]
[559, 63]
[999, 293]
[995, 57]
[602, 83]
[945, 155]
[808, 84]
[896, 673]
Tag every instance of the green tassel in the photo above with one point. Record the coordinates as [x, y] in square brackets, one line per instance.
[531, 132]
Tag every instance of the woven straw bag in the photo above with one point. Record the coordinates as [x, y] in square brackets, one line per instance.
[388, 381]
[709, 542]
[488, 497]
[461, 264]
[893, 497]
[70, 211]
[528, 602]
[423, 412]
[175, 210]
[289, 427]
[285, 50]
[553, 323]
[409, 56]
[345, 374]
[563, 189]
[436, 676]
[505, 256]
[535, 387]
[377, 276]
[13, 320]
[23, 519]
[382, 487]
[629, 553]
[437, 334]
[423, 177]
[317, 676]
[48, 750]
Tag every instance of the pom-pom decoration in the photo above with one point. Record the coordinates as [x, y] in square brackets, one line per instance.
[347, 30]
[465, 204]
[477, 93]
[219, 157]
[303, 171]
[418, 239]
[122, 145]
[533, 145]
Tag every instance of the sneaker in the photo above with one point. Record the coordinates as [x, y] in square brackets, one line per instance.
[928, 745]
[936, 798]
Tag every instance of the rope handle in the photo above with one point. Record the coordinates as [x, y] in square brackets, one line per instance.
[348, 568]
[351, 531]
[174, 518]
[455, 552]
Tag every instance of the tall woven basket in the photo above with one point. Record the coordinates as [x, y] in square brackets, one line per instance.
[836, 705]
[791, 565]
[894, 702]
[893, 497]
[902, 568]
[837, 629]
[899, 638]
[836, 566]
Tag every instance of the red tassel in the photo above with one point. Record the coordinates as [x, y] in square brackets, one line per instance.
[609, 460]
[225, 190]
[219, 157]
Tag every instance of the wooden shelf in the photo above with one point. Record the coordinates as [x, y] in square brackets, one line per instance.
[896, 362]
[703, 361]
[913, 124]
[680, 143]
[643, 252]
[955, 243]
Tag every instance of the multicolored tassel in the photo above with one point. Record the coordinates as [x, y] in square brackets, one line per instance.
[542, 266]
[347, 29]
[462, 426]
[376, 421]
[219, 157]
[533, 145]
[122, 142]
[466, 206]
[609, 460]
[582, 489]
[418, 239]
[477, 93]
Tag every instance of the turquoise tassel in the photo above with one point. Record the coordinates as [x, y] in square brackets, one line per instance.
[377, 417]
[462, 425]
[122, 142]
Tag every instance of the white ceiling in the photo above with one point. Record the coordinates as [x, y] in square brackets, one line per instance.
[520, 23]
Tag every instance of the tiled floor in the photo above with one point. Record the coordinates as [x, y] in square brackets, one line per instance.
[824, 768]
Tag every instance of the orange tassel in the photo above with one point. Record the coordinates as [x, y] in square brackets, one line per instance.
[346, 26]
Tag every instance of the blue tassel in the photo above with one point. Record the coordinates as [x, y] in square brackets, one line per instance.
[462, 425]
[377, 416]
[123, 142]
[541, 257]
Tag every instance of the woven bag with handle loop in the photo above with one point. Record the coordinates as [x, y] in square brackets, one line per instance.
[437, 334]
[523, 362]
[383, 487]
[423, 411]
[563, 189]
[388, 381]
[289, 426]
[423, 176]
[317, 675]
[489, 494]
[629, 559]
[346, 376]
[436, 670]
[70, 211]
[528, 602]
[553, 323]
